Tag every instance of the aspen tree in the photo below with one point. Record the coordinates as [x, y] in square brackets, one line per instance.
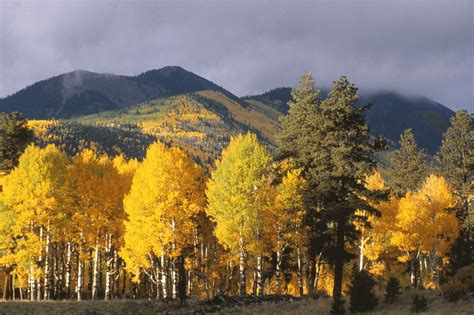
[167, 194]
[232, 194]
[34, 191]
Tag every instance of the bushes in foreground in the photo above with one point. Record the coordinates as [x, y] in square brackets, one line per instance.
[392, 290]
[461, 285]
[361, 290]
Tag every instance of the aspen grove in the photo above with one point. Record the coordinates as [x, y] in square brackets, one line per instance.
[258, 221]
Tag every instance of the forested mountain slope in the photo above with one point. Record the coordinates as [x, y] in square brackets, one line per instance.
[83, 92]
[390, 114]
[145, 101]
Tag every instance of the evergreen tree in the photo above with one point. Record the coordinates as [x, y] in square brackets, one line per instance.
[456, 156]
[14, 138]
[361, 292]
[407, 165]
[329, 140]
[392, 290]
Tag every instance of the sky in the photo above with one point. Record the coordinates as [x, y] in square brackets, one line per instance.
[413, 47]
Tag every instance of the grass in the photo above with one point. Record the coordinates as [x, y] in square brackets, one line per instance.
[436, 305]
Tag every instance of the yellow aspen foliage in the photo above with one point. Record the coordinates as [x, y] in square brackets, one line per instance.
[96, 194]
[422, 220]
[375, 231]
[424, 224]
[441, 226]
[167, 193]
[284, 214]
[232, 191]
[233, 201]
[33, 200]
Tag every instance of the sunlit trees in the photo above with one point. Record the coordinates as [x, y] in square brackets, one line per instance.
[97, 193]
[424, 224]
[368, 225]
[34, 191]
[233, 201]
[166, 196]
[285, 215]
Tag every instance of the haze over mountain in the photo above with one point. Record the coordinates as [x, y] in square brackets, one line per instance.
[80, 93]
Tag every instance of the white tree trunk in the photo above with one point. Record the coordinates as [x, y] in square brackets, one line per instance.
[47, 266]
[109, 257]
[40, 262]
[361, 253]
[243, 288]
[164, 276]
[259, 275]
[95, 275]
[300, 271]
[67, 277]
[80, 276]
[32, 283]
[278, 272]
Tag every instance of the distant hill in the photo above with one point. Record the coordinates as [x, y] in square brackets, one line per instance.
[390, 114]
[116, 99]
[83, 92]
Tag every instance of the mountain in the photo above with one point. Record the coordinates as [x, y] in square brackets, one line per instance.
[390, 114]
[83, 92]
[154, 96]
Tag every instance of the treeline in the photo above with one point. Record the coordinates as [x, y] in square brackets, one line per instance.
[90, 226]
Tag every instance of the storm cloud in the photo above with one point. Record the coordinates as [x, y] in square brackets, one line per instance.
[414, 47]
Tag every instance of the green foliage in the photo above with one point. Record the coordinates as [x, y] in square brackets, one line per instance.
[407, 165]
[232, 191]
[330, 141]
[456, 158]
[14, 138]
[362, 297]
[73, 137]
[419, 304]
[392, 290]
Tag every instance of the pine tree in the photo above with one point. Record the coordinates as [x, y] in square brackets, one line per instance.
[233, 201]
[456, 157]
[407, 165]
[392, 290]
[14, 137]
[362, 297]
[330, 142]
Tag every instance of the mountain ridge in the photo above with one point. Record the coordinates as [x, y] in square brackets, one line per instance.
[81, 92]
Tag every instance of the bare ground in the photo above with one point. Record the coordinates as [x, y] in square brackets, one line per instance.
[436, 305]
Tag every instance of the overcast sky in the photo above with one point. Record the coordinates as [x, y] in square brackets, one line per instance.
[415, 47]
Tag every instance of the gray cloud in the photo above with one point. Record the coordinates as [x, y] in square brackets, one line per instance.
[415, 47]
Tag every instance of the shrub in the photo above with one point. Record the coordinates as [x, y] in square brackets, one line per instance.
[461, 285]
[361, 291]
[392, 290]
[419, 304]
[337, 307]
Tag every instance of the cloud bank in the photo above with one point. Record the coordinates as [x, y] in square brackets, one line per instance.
[414, 47]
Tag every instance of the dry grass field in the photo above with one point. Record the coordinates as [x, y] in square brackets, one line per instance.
[436, 305]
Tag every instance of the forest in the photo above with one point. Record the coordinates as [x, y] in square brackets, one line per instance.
[317, 215]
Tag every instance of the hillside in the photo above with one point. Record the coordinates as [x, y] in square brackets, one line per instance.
[200, 122]
[83, 92]
[107, 99]
[390, 114]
